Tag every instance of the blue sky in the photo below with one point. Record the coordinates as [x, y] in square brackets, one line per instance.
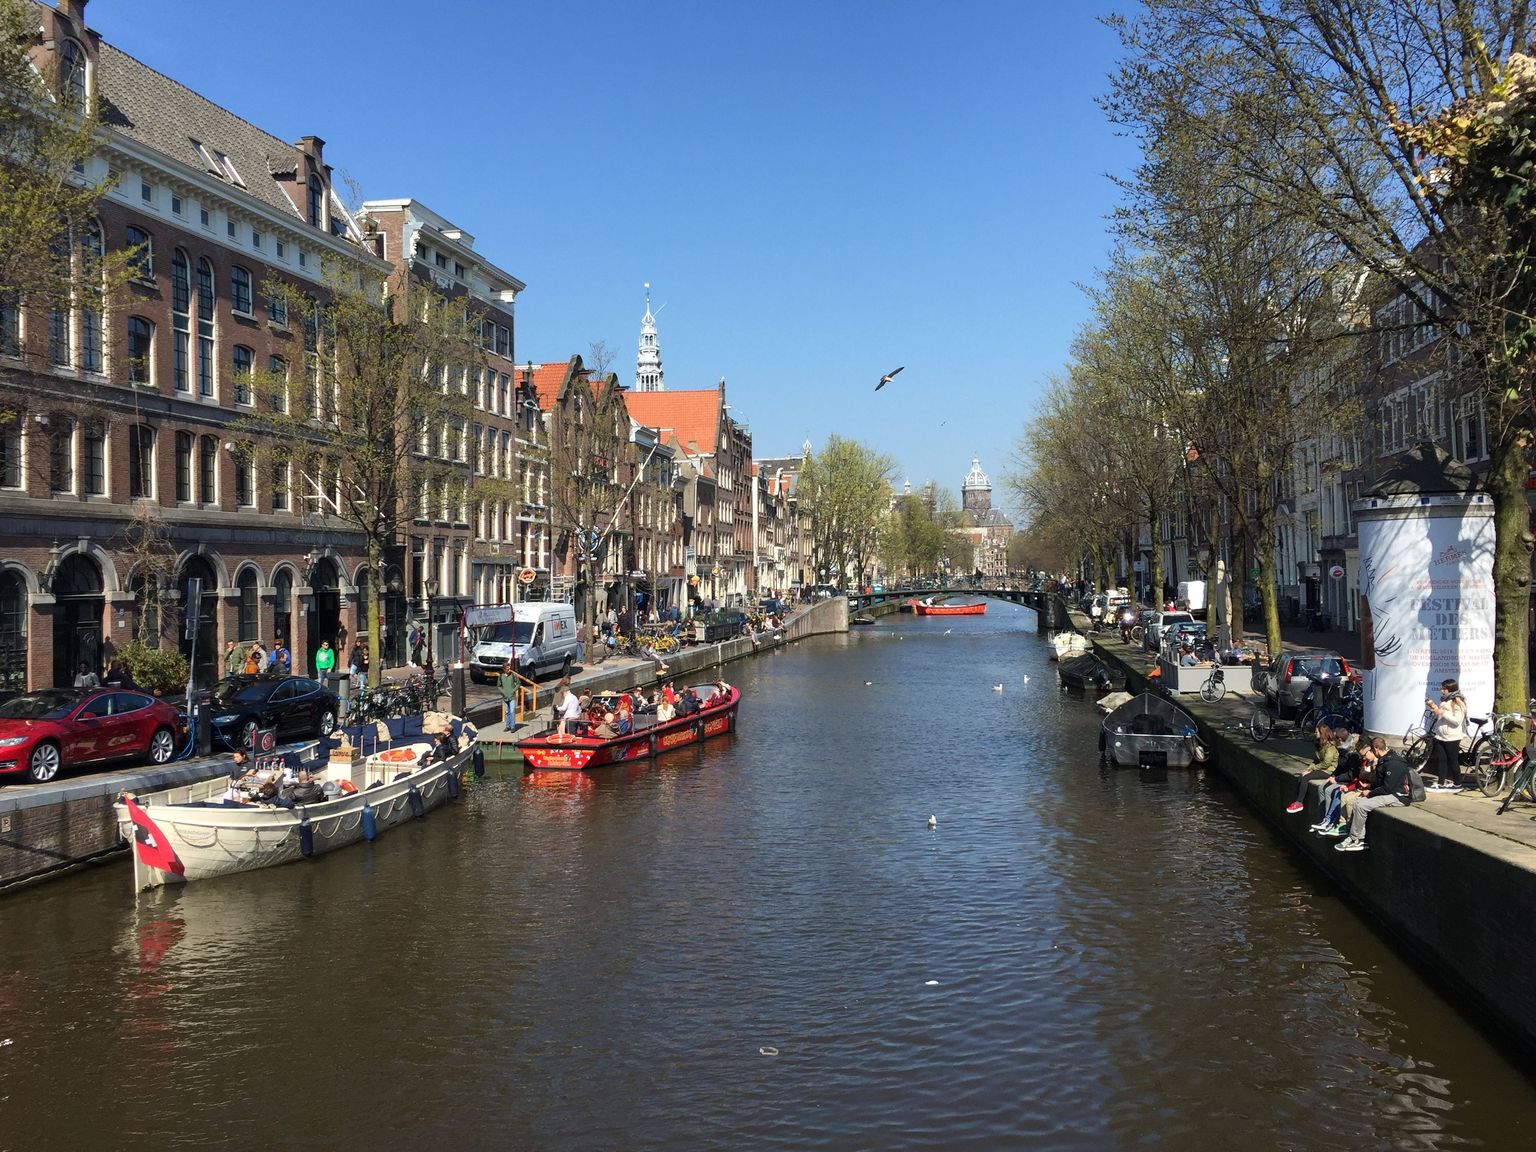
[816, 191]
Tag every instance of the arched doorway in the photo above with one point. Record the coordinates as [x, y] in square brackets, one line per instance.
[206, 670]
[77, 591]
[282, 608]
[393, 605]
[324, 615]
[13, 631]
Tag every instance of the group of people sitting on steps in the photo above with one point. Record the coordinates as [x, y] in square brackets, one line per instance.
[1356, 776]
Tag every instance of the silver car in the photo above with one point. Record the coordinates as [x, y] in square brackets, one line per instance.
[1292, 676]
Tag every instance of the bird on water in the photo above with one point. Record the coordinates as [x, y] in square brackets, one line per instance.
[888, 377]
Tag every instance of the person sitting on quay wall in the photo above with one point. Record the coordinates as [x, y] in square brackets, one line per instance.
[1325, 762]
[1390, 790]
[1339, 792]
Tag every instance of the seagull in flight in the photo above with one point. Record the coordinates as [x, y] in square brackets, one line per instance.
[888, 377]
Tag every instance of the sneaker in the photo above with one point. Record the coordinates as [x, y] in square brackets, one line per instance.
[1335, 830]
[1350, 845]
[1294, 806]
[1320, 826]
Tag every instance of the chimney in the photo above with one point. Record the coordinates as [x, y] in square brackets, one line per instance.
[311, 146]
[73, 10]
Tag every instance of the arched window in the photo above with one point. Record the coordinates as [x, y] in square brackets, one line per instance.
[13, 630]
[282, 480]
[240, 290]
[316, 202]
[181, 320]
[72, 79]
[282, 607]
[205, 299]
[184, 467]
[141, 462]
[141, 344]
[250, 606]
[244, 362]
[89, 296]
[142, 246]
[245, 475]
[208, 470]
[277, 369]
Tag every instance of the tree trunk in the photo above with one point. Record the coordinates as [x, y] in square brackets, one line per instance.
[1239, 576]
[1264, 561]
[1511, 567]
[1156, 575]
[373, 600]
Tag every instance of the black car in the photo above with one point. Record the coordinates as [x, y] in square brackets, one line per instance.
[296, 706]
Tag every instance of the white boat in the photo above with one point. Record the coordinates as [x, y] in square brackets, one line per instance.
[191, 834]
[1069, 644]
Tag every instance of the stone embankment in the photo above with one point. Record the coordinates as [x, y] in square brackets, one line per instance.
[1449, 880]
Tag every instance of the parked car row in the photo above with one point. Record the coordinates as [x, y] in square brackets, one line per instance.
[52, 730]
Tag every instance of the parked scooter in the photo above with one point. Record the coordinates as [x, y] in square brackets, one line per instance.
[1127, 621]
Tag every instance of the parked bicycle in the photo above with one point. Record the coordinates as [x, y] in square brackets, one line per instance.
[1522, 780]
[1215, 686]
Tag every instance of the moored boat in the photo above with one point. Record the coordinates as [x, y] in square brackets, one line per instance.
[1068, 644]
[578, 751]
[191, 833]
[924, 608]
[1150, 731]
[1087, 672]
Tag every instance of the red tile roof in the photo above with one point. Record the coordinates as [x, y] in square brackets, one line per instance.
[547, 380]
[692, 416]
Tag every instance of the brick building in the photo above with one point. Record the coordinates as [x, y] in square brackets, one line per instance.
[124, 416]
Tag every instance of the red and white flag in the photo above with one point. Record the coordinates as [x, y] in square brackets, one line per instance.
[150, 843]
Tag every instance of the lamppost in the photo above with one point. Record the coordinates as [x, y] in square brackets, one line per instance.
[431, 586]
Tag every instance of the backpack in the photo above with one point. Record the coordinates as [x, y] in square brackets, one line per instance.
[1415, 787]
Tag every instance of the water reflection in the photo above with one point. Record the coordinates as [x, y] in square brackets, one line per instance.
[1074, 957]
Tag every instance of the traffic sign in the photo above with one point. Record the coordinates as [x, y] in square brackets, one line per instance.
[1337, 572]
[526, 576]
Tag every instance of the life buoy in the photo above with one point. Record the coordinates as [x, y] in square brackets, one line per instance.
[346, 786]
[560, 738]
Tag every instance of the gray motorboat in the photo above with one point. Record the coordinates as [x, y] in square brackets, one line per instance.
[1149, 731]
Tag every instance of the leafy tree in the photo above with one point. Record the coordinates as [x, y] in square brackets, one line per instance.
[845, 489]
[1315, 106]
[375, 421]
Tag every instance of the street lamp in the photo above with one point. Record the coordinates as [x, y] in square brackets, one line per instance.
[431, 586]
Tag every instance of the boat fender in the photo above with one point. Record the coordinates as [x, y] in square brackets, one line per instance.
[479, 762]
[346, 786]
[370, 825]
[453, 785]
[418, 808]
[306, 838]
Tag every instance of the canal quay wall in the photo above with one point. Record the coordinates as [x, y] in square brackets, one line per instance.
[1455, 888]
[50, 830]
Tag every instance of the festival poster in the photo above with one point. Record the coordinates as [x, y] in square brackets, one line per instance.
[1426, 610]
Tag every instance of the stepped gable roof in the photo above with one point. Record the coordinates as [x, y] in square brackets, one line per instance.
[156, 111]
[690, 416]
[1424, 469]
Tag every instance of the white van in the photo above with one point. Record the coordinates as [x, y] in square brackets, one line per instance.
[1192, 596]
[538, 637]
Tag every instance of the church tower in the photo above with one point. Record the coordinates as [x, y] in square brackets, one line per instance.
[976, 492]
[648, 374]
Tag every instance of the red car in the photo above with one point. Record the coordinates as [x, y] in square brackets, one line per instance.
[44, 731]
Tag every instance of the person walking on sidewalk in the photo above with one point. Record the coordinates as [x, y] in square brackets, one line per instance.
[325, 661]
[1390, 790]
[1445, 740]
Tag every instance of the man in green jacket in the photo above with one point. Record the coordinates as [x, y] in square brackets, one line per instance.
[325, 660]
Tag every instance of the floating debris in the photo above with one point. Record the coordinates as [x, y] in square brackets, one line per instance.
[767, 1050]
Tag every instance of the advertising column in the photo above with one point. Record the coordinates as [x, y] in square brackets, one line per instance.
[1426, 604]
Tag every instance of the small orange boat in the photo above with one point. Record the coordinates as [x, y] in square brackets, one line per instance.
[925, 609]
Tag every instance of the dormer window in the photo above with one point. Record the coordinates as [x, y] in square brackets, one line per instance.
[72, 83]
[217, 163]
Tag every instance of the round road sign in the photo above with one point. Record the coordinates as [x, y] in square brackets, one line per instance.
[1336, 572]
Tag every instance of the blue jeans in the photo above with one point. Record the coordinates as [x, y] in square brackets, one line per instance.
[581, 651]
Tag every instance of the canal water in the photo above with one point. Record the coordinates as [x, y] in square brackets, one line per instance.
[762, 944]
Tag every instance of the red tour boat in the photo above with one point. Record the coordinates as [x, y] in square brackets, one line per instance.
[577, 751]
[926, 609]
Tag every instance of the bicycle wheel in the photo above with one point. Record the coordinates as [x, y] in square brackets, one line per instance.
[1260, 724]
[1136, 634]
[1212, 690]
[1522, 785]
[1490, 765]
